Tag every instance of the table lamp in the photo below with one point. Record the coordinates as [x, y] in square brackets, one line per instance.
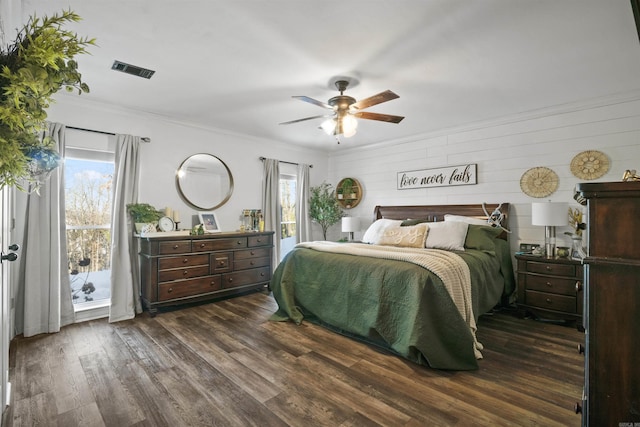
[349, 225]
[550, 215]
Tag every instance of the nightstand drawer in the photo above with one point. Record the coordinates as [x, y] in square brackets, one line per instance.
[551, 268]
[555, 285]
[548, 301]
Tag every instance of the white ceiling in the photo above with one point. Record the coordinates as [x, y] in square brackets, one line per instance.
[234, 65]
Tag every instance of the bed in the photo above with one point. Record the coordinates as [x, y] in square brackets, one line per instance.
[415, 285]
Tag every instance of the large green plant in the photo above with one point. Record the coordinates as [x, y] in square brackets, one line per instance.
[324, 208]
[32, 69]
[144, 212]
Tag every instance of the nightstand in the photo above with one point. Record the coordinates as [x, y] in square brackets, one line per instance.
[550, 288]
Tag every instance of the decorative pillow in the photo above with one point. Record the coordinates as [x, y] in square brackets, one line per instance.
[412, 236]
[377, 228]
[407, 222]
[448, 235]
[467, 219]
[482, 237]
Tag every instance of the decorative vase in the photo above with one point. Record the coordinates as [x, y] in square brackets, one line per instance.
[576, 247]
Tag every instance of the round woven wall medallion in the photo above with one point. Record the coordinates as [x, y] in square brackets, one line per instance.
[539, 182]
[590, 164]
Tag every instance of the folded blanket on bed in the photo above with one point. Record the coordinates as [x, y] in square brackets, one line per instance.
[448, 266]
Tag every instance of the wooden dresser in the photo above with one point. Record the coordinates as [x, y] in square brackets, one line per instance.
[179, 269]
[611, 318]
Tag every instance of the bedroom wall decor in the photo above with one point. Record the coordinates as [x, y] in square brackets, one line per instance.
[539, 182]
[590, 164]
[348, 193]
[438, 177]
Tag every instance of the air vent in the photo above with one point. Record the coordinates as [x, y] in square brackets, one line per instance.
[132, 69]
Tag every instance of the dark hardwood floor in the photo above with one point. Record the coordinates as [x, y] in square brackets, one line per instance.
[225, 364]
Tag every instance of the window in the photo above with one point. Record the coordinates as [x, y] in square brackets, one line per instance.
[88, 194]
[288, 213]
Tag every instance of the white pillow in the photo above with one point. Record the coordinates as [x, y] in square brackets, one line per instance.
[448, 235]
[467, 219]
[375, 230]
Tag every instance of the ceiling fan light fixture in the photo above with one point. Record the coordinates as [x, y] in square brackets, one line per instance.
[349, 126]
[329, 126]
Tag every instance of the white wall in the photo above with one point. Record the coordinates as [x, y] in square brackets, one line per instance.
[503, 151]
[172, 142]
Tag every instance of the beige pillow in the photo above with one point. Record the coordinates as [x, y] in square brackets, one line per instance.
[412, 236]
[448, 235]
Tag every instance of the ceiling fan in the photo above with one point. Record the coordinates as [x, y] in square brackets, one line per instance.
[345, 110]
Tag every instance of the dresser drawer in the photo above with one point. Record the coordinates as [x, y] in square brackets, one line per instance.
[221, 262]
[187, 288]
[244, 264]
[549, 301]
[253, 253]
[262, 240]
[175, 247]
[246, 277]
[567, 270]
[555, 285]
[183, 273]
[182, 261]
[219, 244]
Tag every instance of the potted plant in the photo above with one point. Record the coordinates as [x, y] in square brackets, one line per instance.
[32, 69]
[324, 207]
[143, 214]
[345, 186]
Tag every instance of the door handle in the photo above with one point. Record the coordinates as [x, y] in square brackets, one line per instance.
[8, 257]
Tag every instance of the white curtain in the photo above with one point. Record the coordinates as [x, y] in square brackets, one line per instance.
[303, 224]
[125, 283]
[43, 300]
[271, 204]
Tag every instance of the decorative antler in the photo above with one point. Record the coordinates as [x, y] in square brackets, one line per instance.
[495, 218]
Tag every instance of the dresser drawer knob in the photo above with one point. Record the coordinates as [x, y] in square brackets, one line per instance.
[259, 240]
[186, 260]
[184, 273]
[580, 349]
[578, 286]
[230, 279]
[170, 290]
[262, 274]
[252, 253]
[252, 263]
[221, 264]
[175, 246]
[549, 300]
[213, 283]
[239, 242]
[548, 267]
[549, 284]
[202, 245]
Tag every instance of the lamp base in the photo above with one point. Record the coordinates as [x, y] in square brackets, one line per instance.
[550, 241]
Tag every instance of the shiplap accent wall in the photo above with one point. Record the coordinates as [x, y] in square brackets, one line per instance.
[503, 151]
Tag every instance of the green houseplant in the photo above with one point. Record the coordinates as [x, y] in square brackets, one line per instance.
[143, 213]
[324, 207]
[32, 69]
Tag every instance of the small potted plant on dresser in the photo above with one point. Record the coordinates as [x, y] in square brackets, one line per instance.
[144, 214]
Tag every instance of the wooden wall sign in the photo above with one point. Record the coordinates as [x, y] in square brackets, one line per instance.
[438, 177]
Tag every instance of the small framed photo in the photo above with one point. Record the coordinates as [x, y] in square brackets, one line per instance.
[209, 222]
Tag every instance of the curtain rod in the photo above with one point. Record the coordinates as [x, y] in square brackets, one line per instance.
[282, 161]
[144, 138]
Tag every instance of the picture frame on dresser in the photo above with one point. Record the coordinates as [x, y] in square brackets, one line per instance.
[209, 222]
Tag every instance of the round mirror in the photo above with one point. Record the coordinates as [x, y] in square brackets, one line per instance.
[204, 181]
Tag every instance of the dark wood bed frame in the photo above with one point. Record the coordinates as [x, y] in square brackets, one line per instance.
[434, 213]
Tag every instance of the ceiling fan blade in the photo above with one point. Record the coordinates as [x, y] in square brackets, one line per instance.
[385, 96]
[307, 118]
[380, 117]
[313, 101]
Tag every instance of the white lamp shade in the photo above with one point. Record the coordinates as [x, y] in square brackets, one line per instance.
[547, 213]
[350, 224]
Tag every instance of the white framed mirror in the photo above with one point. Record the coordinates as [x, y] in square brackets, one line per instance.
[204, 181]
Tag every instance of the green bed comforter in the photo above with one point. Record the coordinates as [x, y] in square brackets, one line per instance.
[395, 304]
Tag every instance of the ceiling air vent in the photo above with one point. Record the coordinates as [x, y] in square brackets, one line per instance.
[132, 69]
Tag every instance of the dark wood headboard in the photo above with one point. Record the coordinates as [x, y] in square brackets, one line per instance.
[436, 212]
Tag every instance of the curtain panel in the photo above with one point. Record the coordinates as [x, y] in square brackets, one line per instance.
[303, 222]
[271, 203]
